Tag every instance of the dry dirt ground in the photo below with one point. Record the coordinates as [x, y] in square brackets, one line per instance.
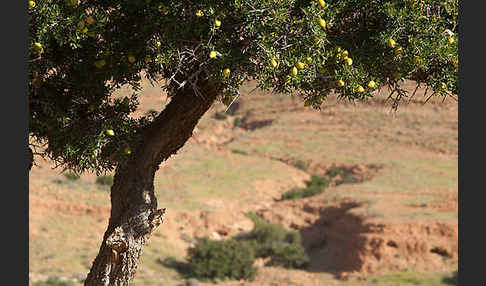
[397, 215]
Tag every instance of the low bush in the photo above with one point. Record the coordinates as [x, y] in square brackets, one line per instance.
[334, 171]
[237, 122]
[240, 152]
[220, 116]
[314, 187]
[273, 240]
[231, 259]
[301, 165]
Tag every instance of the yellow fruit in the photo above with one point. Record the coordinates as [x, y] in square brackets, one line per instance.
[158, 44]
[308, 59]
[226, 72]
[38, 47]
[91, 34]
[322, 23]
[300, 65]
[360, 89]
[110, 132]
[443, 86]
[416, 60]
[80, 25]
[213, 54]
[398, 50]
[391, 43]
[127, 151]
[31, 4]
[131, 59]
[99, 64]
[84, 31]
[199, 13]
[273, 63]
[345, 53]
[451, 40]
[217, 23]
[349, 61]
[340, 83]
[293, 71]
[371, 84]
[322, 3]
[165, 11]
[90, 20]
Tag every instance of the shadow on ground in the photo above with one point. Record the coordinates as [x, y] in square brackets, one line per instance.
[335, 241]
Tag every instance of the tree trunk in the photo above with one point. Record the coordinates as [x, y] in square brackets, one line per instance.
[134, 214]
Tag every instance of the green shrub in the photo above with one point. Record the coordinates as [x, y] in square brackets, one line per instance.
[314, 187]
[347, 179]
[237, 122]
[71, 176]
[104, 180]
[301, 165]
[222, 259]
[54, 281]
[289, 256]
[240, 152]
[274, 241]
[334, 171]
[220, 115]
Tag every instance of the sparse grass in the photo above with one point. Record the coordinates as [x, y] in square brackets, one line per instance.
[104, 180]
[71, 176]
[405, 279]
[54, 281]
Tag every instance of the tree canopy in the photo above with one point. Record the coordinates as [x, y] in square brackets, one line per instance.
[84, 50]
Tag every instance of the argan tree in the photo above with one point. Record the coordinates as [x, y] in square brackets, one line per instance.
[202, 51]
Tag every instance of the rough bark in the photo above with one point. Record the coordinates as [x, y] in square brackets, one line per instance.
[134, 214]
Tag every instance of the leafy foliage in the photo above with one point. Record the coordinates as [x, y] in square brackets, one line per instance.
[316, 186]
[83, 50]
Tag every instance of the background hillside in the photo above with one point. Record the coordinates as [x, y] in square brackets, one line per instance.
[388, 218]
